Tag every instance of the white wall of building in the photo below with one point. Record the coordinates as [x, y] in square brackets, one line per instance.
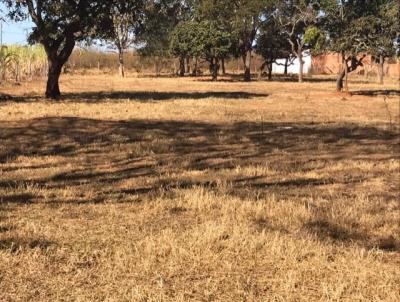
[295, 67]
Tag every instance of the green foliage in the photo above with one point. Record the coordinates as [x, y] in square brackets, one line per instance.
[200, 39]
[212, 41]
[160, 19]
[386, 30]
[122, 23]
[315, 39]
[271, 43]
[58, 26]
[184, 40]
[55, 20]
[361, 26]
[204, 39]
[294, 18]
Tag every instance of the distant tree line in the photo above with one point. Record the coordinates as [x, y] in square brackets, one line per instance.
[214, 30]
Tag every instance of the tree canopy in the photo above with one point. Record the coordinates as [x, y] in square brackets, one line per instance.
[203, 39]
[58, 26]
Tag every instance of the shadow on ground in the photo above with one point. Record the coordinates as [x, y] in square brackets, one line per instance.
[110, 151]
[15, 245]
[141, 96]
[136, 160]
[382, 92]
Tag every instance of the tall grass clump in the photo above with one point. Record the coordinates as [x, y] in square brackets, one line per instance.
[18, 63]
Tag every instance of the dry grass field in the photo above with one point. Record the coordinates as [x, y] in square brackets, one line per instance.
[163, 189]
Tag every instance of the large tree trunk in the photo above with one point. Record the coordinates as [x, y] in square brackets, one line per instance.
[121, 65]
[52, 87]
[223, 66]
[301, 64]
[188, 65]
[285, 72]
[214, 69]
[381, 69]
[346, 69]
[341, 75]
[269, 68]
[56, 58]
[247, 66]
[340, 79]
[182, 66]
[346, 77]
[194, 71]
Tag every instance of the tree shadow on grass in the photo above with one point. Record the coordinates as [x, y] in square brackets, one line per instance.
[146, 96]
[381, 92]
[15, 244]
[139, 96]
[324, 230]
[145, 147]
[136, 160]
[23, 198]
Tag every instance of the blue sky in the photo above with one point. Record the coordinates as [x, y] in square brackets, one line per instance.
[14, 33]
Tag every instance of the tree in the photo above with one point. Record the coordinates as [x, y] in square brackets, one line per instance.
[293, 18]
[153, 40]
[213, 43]
[242, 19]
[58, 26]
[160, 19]
[184, 43]
[272, 45]
[248, 16]
[384, 30]
[204, 39]
[121, 26]
[354, 28]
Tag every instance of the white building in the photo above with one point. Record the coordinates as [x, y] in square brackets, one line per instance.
[294, 68]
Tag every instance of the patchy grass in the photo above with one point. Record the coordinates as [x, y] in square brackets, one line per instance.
[148, 189]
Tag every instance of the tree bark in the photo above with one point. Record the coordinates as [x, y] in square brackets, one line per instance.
[247, 66]
[52, 87]
[285, 73]
[341, 75]
[269, 67]
[194, 71]
[223, 66]
[182, 66]
[346, 77]
[346, 69]
[188, 65]
[339, 80]
[301, 64]
[121, 66]
[56, 58]
[214, 69]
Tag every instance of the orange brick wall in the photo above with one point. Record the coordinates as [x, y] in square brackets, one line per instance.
[330, 63]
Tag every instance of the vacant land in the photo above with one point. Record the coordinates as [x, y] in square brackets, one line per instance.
[149, 189]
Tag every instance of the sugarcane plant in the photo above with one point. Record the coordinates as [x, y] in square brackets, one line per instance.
[22, 62]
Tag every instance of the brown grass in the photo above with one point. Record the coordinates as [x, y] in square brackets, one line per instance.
[148, 189]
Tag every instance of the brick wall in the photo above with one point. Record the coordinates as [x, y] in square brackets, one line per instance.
[329, 63]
